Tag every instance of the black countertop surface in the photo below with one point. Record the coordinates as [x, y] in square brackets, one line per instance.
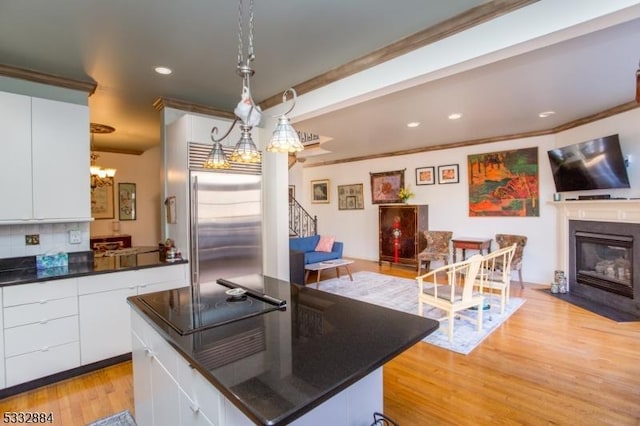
[23, 270]
[319, 345]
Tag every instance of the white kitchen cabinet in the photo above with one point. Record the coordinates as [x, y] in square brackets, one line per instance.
[2, 375]
[40, 329]
[60, 143]
[45, 155]
[15, 156]
[165, 278]
[157, 397]
[105, 326]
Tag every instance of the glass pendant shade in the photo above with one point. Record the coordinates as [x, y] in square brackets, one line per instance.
[284, 138]
[216, 158]
[245, 150]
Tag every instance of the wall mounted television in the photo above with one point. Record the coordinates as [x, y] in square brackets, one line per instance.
[593, 164]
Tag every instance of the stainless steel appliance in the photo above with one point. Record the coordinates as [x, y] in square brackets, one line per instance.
[225, 225]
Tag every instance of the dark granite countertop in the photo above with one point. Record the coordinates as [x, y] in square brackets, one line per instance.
[23, 270]
[320, 345]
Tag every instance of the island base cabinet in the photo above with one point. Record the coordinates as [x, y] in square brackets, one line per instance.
[169, 391]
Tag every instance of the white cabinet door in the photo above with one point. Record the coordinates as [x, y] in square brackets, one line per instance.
[105, 325]
[60, 143]
[2, 380]
[15, 156]
[156, 394]
[142, 390]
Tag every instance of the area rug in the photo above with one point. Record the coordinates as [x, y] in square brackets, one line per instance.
[120, 419]
[402, 294]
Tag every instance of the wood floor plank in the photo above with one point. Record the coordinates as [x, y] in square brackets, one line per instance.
[550, 363]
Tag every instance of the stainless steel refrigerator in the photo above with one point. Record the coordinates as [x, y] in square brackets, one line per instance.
[225, 225]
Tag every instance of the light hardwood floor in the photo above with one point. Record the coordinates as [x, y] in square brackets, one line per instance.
[551, 363]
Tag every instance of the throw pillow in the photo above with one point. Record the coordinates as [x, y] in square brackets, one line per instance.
[325, 244]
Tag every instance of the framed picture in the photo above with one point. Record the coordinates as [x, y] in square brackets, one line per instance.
[102, 201]
[127, 201]
[504, 183]
[292, 193]
[320, 191]
[448, 174]
[351, 197]
[425, 175]
[385, 186]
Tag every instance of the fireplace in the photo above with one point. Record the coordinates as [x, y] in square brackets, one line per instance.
[602, 256]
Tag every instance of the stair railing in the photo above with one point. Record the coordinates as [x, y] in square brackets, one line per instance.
[301, 223]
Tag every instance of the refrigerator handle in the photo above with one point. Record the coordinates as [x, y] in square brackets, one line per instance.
[195, 261]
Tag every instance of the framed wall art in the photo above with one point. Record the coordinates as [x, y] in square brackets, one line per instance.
[425, 175]
[385, 186]
[292, 193]
[351, 197]
[504, 183]
[102, 201]
[448, 174]
[127, 201]
[320, 191]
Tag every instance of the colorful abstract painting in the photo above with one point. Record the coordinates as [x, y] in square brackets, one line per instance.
[504, 183]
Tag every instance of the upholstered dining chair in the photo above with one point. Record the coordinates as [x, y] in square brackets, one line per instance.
[437, 249]
[495, 273]
[506, 240]
[457, 294]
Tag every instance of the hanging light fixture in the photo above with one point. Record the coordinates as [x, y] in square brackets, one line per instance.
[285, 138]
[100, 176]
[638, 84]
[248, 113]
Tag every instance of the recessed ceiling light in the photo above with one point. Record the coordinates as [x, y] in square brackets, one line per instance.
[163, 70]
[455, 116]
[413, 124]
[546, 114]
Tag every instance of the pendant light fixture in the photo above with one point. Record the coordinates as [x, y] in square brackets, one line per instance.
[100, 176]
[248, 113]
[638, 84]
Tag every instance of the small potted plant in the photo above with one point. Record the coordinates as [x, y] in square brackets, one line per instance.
[404, 194]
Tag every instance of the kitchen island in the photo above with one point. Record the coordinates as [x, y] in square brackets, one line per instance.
[316, 358]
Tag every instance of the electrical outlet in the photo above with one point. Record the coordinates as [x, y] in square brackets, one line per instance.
[75, 236]
[32, 240]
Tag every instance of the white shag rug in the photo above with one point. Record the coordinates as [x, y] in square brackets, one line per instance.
[402, 294]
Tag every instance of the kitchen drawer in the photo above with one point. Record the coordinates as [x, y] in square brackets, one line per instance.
[40, 336]
[107, 282]
[162, 274]
[34, 365]
[39, 292]
[37, 312]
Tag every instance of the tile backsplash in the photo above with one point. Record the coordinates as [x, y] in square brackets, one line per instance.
[54, 238]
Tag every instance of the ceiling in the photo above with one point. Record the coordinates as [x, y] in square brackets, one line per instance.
[118, 43]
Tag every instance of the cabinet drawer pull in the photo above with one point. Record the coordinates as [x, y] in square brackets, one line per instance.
[194, 407]
[149, 353]
[43, 301]
[44, 349]
[44, 321]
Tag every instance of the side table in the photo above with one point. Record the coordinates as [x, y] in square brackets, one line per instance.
[470, 243]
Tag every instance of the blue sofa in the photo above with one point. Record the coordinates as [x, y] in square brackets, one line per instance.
[307, 245]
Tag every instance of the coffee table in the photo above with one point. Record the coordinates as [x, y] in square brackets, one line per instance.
[327, 264]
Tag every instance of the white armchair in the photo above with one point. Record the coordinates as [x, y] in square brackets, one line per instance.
[458, 292]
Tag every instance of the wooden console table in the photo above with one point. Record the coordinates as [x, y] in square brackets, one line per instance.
[470, 243]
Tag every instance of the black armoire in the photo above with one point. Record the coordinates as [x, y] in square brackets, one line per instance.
[401, 227]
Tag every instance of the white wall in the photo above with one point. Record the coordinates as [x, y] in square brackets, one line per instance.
[144, 171]
[448, 203]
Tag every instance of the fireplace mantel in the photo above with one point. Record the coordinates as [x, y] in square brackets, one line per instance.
[625, 211]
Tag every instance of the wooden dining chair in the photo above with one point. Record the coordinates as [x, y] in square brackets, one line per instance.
[495, 274]
[457, 294]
